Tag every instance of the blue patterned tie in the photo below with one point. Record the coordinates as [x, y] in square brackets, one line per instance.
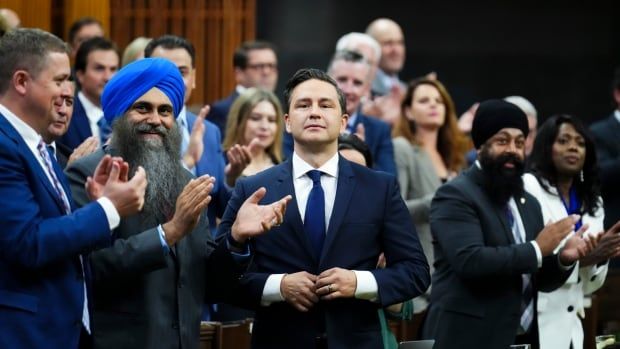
[105, 130]
[314, 219]
[527, 292]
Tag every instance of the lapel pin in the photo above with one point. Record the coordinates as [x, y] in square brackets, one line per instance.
[522, 201]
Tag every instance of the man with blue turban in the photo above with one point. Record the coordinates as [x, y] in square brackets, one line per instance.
[149, 286]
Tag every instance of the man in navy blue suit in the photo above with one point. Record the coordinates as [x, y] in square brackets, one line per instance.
[313, 281]
[256, 65]
[42, 274]
[352, 73]
[201, 148]
[96, 63]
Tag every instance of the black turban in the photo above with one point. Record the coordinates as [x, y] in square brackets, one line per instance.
[494, 115]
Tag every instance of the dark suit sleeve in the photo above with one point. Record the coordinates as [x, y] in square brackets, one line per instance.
[407, 273]
[136, 255]
[34, 236]
[607, 156]
[250, 292]
[384, 156]
[457, 228]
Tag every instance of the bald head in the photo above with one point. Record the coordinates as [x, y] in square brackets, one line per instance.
[390, 36]
[10, 17]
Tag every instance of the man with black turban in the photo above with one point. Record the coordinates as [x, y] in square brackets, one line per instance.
[150, 285]
[492, 249]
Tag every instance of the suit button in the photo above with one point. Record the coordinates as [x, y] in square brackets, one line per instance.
[181, 285]
[570, 308]
[175, 326]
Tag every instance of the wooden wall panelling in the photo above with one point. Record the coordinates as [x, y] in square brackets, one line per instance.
[32, 13]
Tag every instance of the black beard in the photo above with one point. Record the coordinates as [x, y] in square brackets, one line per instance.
[160, 158]
[501, 183]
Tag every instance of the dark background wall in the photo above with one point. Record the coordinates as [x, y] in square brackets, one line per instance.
[559, 55]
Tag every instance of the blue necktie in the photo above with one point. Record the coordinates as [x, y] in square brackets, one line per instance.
[105, 130]
[314, 219]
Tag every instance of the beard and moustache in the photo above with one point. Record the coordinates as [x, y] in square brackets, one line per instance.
[160, 159]
[501, 182]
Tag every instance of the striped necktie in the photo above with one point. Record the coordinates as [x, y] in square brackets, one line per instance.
[527, 293]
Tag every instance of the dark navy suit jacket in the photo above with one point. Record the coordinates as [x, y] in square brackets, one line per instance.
[41, 278]
[79, 127]
[369, 217]
[212, 163]
[219, 111]
[378, 138]
[607, 143]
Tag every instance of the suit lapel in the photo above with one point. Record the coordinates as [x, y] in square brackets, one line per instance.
[344, 191]
[32, 162]
[528, 224]
[80, 119]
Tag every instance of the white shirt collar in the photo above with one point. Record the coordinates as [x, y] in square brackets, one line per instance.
[182, 118]
[28, 134]
[240, 89]
[93, 112]
[300, 167]
[617, 115]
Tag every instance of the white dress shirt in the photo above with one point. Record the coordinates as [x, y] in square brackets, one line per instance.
[366, 283]
[93, 113]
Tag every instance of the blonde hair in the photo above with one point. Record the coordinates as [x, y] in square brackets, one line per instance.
[134, 48]
[240, 112]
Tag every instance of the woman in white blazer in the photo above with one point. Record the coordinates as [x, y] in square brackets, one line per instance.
[563, 177]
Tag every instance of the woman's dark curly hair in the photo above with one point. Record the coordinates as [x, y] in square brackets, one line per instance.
[540, 162]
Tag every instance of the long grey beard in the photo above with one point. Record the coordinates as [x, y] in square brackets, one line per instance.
[160, 159]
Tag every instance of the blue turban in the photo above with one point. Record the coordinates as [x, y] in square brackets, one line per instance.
[136, 79]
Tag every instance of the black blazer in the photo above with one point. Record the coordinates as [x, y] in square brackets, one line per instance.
[476, 294]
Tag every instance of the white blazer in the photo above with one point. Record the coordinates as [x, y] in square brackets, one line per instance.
[559, 311]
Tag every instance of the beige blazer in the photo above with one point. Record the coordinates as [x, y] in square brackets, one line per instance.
[418, 183]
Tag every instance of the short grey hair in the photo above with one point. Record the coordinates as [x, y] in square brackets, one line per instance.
[353, 40]
[526, 106]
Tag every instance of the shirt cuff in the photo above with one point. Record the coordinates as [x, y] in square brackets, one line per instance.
[271, 291]
[366, 285]
[539, 259]
[162, 239]
[111, 213]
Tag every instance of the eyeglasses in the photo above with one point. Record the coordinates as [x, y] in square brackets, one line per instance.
[263, 66]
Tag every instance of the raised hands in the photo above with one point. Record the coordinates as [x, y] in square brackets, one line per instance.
[111, 180]
[195, 146]
[553, 233]
[254, 219]
[191, 202]
[608, 246]
[239, 157]
[87, 147]
[577, 246]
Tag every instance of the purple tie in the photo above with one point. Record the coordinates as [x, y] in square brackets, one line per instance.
[50, 170]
